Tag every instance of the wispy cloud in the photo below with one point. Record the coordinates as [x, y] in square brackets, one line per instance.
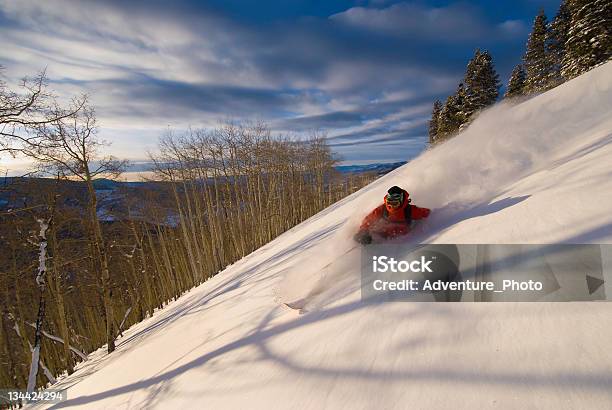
[366, 75]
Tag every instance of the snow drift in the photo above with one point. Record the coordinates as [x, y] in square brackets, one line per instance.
[535, 172]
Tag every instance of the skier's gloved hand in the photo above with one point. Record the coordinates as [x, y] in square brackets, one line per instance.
[363, 237]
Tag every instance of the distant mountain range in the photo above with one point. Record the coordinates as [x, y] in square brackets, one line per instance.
[106, 184]
[378, 168]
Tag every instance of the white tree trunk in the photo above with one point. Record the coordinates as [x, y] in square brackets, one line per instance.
[33, 368]
[40, 281]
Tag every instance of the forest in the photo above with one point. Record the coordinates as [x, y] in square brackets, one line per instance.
[84, 258]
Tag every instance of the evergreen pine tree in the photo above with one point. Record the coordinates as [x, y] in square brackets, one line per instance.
[433, 123]
[537, 62]
[444, 120]
[558, 35]
[461, 104]
[470, 79]
[589, 41]
[481, 83]
[516, 83]
[452, 115]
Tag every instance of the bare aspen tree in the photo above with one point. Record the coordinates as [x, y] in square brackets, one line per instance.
[238, 187]
[70, 146]
[41, 283]
[25, 109]
[57, 290]
[220, 195]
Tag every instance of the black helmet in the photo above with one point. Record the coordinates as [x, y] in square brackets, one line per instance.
[395, 190]
[396, 196]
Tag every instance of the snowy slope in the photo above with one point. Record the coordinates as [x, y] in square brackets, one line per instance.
[536, 172]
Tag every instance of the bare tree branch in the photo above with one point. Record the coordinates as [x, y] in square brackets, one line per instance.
[23, 111]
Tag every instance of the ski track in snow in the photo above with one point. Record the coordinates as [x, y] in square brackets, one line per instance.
[536, 172]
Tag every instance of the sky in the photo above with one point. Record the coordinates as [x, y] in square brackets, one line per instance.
[364, 73]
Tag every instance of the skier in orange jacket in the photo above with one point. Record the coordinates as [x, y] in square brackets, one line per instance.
[392, 218]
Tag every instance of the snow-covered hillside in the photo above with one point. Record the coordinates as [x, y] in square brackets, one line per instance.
[536, 172]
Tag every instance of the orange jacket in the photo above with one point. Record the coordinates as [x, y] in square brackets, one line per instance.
[390, 222]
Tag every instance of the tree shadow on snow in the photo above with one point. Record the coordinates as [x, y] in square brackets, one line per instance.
[267, 332]
[264, 333]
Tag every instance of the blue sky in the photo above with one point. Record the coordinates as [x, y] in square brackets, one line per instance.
[363, 72]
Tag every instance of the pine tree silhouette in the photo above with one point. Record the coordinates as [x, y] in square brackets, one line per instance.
[516, 83]
[589, 41]
[481, 83]
[433, 123]
[537, 63]
[557, 37]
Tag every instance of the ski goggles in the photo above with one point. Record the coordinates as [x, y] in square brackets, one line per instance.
[394, 200]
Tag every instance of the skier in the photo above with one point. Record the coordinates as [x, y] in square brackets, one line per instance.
[392, 218]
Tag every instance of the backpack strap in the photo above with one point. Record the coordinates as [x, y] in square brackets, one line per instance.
[408, 214]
